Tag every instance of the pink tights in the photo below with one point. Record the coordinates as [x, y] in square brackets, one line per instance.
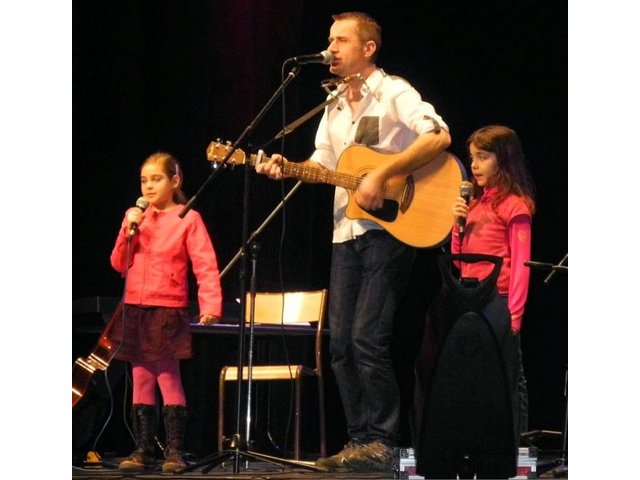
[166, 373]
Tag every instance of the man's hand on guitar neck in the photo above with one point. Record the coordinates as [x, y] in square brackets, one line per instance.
[272, 168]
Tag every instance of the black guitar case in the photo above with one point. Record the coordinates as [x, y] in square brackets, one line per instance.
[465, 380]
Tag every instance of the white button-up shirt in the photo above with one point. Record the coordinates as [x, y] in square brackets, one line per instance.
[390, 117]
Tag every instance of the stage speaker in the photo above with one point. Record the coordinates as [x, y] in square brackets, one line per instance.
[465, 380]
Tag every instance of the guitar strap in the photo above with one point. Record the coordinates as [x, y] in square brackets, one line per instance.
[296, 123]
[333, 97]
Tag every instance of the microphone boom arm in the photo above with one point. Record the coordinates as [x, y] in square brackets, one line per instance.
[259, 230]
[293, 73]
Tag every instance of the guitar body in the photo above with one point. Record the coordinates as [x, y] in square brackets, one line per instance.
[417, 207]
[98, 359]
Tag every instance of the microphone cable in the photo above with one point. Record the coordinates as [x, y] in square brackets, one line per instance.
[106, 371]
[128, 381]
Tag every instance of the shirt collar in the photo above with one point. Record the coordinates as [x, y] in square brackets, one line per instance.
[371, 85]
[489, 193]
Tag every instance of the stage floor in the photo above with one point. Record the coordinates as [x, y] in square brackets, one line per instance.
[250, 471]
[547, 468]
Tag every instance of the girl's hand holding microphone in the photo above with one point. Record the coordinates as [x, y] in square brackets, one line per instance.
[460, 210]
[135, 216]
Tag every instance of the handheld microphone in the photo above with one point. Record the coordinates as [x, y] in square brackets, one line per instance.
[325, 57]
[466, 189]
[142, 204]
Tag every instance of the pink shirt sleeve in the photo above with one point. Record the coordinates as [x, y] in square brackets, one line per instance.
[520, 245]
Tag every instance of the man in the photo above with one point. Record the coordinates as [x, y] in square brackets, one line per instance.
[369, 267]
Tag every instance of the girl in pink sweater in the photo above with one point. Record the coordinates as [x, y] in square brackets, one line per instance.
[498, 222]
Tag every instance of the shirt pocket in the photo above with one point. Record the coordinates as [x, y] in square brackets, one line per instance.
[368, 131]
[175, 275]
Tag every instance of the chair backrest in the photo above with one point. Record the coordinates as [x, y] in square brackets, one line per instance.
[300, 308]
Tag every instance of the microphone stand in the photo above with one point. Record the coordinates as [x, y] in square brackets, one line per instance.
[259, 230]
[560, 267]
[562, 469]
[239, 445]
[557, 268]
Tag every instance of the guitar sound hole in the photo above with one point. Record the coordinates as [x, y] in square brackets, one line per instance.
[387, 213]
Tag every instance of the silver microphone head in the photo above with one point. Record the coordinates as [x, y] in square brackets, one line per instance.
[466, 189]
[327, 57]
[142, 203]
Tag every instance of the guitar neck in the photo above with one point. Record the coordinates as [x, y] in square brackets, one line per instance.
[314, 174]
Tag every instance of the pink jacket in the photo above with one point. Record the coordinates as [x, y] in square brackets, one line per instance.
[159, 261]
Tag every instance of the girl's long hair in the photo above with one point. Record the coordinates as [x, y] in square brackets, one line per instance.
[513, 174]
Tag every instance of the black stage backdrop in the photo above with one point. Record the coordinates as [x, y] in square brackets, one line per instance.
[174, 76]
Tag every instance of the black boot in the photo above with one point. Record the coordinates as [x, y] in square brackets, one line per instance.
[144, 419]
[175, 425]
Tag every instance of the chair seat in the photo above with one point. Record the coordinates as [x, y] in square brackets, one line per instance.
[267, 372]
[284, 308]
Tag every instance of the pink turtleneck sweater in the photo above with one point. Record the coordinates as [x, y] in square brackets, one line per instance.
[506, 233]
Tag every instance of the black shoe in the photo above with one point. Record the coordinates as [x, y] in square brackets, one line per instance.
[341, 459]
[372, 457]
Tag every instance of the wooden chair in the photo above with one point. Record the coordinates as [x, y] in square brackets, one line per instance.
[305, 307]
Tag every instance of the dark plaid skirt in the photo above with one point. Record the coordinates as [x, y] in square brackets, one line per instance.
[152, 334]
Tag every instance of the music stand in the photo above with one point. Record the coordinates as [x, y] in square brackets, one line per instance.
[562, 469]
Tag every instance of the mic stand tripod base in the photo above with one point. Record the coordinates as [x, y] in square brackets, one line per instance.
[218, 458]
[561, 471]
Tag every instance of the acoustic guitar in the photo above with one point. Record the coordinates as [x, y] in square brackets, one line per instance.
[417, 207]
[98, 359]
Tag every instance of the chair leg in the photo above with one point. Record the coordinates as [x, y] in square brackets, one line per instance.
[221, 388]
[296, 439]
[323, 428]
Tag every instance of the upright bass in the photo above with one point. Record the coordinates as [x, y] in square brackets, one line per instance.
[98, 359]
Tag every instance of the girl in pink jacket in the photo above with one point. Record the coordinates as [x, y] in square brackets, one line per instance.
[153, 251]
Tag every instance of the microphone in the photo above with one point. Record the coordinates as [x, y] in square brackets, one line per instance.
[142, 204]
[466, 189]
[325, 57]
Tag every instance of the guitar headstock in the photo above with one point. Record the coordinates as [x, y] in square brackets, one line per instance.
[218, 151]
